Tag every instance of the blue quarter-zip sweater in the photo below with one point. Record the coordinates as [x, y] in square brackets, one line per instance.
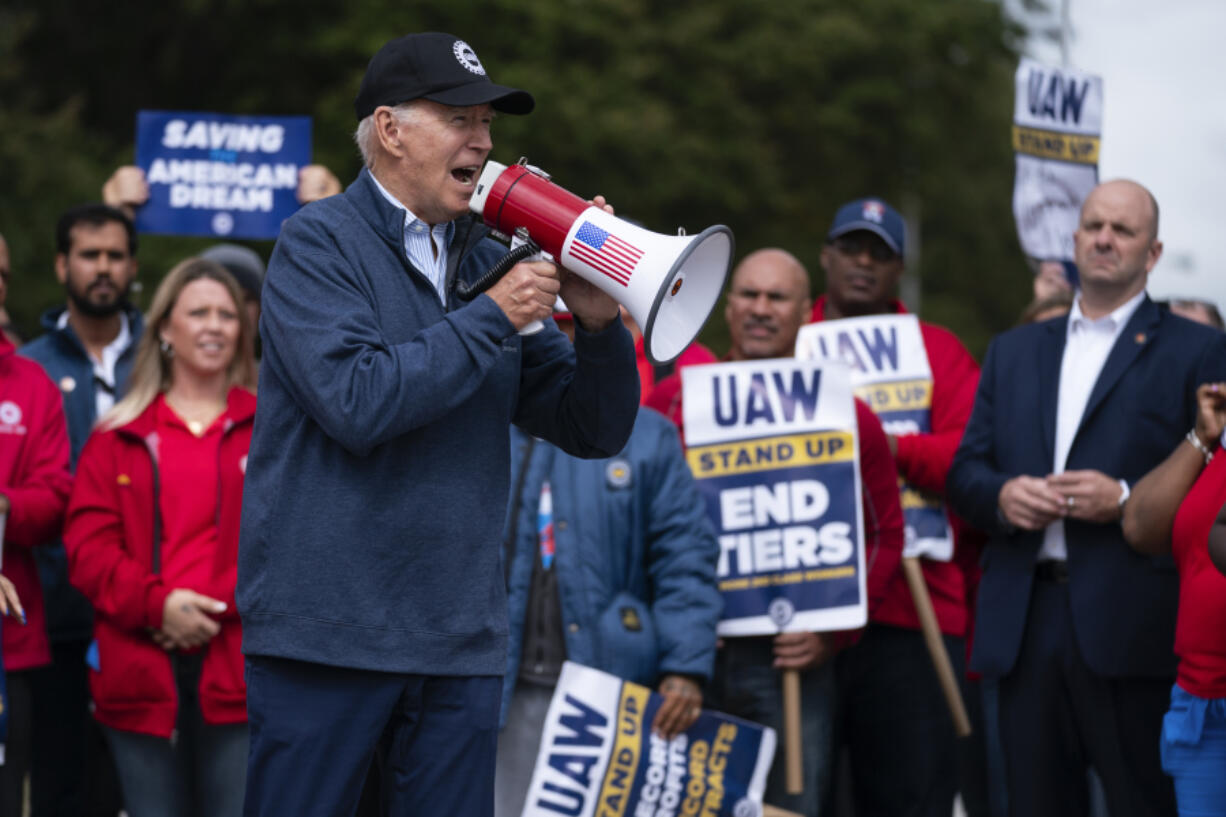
[377, 480]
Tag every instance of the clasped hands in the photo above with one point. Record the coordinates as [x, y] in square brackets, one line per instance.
[1033, 503]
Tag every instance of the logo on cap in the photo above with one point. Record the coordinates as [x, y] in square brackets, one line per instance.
[873, 211]
[467, 57]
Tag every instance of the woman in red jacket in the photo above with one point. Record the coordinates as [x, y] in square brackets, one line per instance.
[34, 487]
[1172, 510]
[152, 541]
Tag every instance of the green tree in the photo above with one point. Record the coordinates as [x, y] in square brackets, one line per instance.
[763, 117]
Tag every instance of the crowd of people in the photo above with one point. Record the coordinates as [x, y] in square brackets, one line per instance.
[356, 593]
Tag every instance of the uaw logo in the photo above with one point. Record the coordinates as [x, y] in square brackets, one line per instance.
[617, 474]
[10, 418]
[873, 211]
[467, 57]
[223, 223]
[781, 611]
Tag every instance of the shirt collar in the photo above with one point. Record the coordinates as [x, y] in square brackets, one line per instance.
[1114, 320]
[411, 221]
[121, 340]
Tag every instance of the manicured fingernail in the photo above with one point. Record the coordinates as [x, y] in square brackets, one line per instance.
[22, 613]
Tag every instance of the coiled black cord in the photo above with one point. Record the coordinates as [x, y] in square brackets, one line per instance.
[466, 291]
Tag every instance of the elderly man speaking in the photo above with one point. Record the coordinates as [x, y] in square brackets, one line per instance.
[369, 584]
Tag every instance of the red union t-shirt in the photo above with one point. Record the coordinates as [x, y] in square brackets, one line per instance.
[187, 478]
[1200, 638]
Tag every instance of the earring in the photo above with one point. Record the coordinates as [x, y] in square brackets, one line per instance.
[167, 349]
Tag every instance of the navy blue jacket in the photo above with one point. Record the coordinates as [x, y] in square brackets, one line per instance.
[377, 480]
[70, 616]
[1143, 403]
[635, 556]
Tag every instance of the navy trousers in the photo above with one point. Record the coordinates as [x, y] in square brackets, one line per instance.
[896, 724]
[747, 686]
[315, 730]
[1058, 717]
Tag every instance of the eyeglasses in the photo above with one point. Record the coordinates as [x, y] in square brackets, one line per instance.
[855, 244]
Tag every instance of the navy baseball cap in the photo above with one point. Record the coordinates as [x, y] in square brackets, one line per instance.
[873, 215]
[433, 66]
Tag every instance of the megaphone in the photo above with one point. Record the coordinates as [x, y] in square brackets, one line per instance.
[669, 284]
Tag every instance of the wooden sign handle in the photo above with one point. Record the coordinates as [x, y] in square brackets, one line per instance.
[793, 748]
[936, 645]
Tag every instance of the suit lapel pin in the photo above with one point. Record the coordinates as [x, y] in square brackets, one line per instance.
[1140, 338]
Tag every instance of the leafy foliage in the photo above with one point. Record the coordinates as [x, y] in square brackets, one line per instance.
[764, 117]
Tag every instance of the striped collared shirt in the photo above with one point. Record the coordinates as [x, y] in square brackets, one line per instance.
[422, 242]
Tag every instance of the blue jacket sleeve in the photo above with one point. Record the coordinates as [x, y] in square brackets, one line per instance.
[583, 401]
[974, 481]
[681, 555]
[319, 321]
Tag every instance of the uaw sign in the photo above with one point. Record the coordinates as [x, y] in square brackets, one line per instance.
[217, 175]
[599, 757]
[890, 372]
[1057, 123]
[773, 448]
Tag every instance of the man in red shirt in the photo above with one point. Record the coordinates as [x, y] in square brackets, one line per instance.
[892, 713]
[767, 304]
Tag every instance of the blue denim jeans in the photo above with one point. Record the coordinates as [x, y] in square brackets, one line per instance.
[747, 686]
[200, 772]
[1194, 753]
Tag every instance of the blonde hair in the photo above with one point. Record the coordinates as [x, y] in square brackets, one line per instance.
[152, 373]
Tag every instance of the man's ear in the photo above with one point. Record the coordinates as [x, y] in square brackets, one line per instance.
[387, 129]
[61, 267]
[824, 257]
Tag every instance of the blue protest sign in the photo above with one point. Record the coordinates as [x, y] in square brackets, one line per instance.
[1057, 125]
[773, 448]
[890, 372]
[217, 175]
[599, 757]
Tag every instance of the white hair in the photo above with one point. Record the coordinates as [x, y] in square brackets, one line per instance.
[366, 138]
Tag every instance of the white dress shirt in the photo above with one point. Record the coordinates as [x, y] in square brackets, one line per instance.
[1086, 348]
[104, 369]
[424, 246]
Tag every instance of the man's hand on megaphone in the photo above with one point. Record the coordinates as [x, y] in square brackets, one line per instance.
[527, 292]
[592, 308]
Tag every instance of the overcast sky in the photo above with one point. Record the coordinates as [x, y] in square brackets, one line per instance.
[1163, 66]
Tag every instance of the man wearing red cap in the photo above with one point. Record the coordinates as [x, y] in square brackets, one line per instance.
[369, 583]
[891, 710]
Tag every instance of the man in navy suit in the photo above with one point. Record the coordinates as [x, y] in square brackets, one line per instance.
[1076, 626]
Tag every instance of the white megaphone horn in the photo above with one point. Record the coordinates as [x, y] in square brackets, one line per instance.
[669, 284]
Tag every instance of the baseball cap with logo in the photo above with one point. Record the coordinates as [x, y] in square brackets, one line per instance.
[873, 215]
[433, 66]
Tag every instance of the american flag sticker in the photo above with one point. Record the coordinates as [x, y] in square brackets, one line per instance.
[605, 252]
